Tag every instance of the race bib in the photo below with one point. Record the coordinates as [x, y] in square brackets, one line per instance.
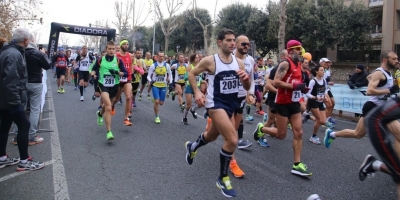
[321, 95]
[109, 81]
[123, 79]
[229, 86]
[181, 77]
[61, 63]
[160, 78]
[296, 95]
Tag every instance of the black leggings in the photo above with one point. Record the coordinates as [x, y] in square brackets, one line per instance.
[76, 79]
[23, 125]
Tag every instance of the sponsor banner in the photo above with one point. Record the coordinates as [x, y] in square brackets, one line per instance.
[349, 100]
[44, 89]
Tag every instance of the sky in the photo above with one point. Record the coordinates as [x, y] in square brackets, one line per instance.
[83, 12]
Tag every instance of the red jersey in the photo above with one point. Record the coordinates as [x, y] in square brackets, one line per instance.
[293, 75]
[127, 60]
[61, 62]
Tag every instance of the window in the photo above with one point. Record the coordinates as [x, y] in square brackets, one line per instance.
[359, 56]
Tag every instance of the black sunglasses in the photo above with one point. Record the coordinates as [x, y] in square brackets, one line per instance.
[245, 44]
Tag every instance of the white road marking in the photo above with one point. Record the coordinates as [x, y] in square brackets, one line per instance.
[15, 174]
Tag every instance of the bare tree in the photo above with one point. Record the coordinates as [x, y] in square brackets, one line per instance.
[13, 12]
[138, 18]
[64, 38]
[205, 27]
[122, 12]
[85, 40]
[282, 25]
[37, 36]
[168, 28]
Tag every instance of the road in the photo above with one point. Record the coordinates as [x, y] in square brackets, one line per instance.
[146, 161]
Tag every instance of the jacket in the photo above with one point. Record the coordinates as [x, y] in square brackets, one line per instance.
[358, 80]
[13, 77]
[35, 62]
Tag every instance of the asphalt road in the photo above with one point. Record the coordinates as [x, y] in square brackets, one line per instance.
[146, 161]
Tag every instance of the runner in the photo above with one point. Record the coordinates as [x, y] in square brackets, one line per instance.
[224, 74]
[137, 74]
[189, 93]
[261, 71]
[159, 76]
[97, 93]
[330, 101]
[110, 70]
[69, 67]
[180, 71]
[125, 84]
[287, 107]
[148, 61]
[82, 62]
[379, 86]
[61, 62]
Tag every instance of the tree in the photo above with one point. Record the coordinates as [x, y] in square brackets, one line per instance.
[12, 12]
[37, 36]
[123, 17]
[64, 39]
[138, 18]
[235, 17]
[168, 26]
[206, 26]
[272, 11]
[85, 40]
[282, 24]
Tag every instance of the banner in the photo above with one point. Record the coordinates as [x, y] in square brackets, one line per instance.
[56, 28]
[44, 89]
[349, 100]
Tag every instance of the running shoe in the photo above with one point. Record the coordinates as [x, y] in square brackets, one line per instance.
[182, 107]
[289, 126]
[82, 99]
[331, 120]
[249, 118]
[59, 90]
[315, 140]
[173, 96]
[167, 94]
[110, 136]
[62, 91]
[157, 120]
[99, 118]
[226, 188]
[127, 122]
[263, 142]
[194, 114]
[235, 169]
[112, 110]
[140, 97]
[257, 133]
[120, 100]
[328, 139]
[301, 170]
[93, 97]
[29, 166]
[35, 140]
[366, 169]
[148, 96]
[76, 88]
[189, 153]
[9, 161]
[184, 121]
[243, 144]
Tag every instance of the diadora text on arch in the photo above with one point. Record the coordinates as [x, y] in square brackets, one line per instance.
[90, 30]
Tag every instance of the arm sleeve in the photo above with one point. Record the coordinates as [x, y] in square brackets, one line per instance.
[122, 67]
[252, 86]
[169, 73]
[11, 81]
[311, 86]
[150, 72]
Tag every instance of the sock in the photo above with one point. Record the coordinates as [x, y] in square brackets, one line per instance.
[296, 163]
[185, 113]
[81, 90]
[376, 165]
[3, 158]
[248, 107]
[333, 134]
[23, 161]
[240, 130]
[224, 159]
[313, 135]
[199, 143]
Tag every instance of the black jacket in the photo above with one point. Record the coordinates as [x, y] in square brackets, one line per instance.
[358, 80]
[13, 77]
[35, 62]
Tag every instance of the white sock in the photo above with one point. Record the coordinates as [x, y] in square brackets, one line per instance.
[376, 165]
[23, 161]
[333, 134]
[3, 158]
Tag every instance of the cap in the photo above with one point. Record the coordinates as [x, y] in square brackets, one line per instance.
[324, 60]
[61, 49]
[78, 48]
[293, 43]
[69, 49]
[360, 66]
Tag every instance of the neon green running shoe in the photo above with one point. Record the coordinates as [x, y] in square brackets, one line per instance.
[301, 170]
[110, 135]
[157, 120]
[99, 118]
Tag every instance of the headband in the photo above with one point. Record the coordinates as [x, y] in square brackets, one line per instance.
[122, 42]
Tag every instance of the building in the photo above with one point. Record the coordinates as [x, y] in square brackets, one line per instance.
[386, 32]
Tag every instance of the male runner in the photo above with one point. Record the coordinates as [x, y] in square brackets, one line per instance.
[61, 62]
[125, 84]
[148, 61]
[159, 75]
[76, 69]
[137, 73]
[379, 86]
[69, 67]
[110, 70]
[82, 62]
[288, 80]
[224, 74]
[180, 71]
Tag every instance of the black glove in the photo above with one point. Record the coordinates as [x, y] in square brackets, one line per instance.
[351, 86]
[15, 110]
[305, 90]
[394, 89]
[113, 72]
[299, 86]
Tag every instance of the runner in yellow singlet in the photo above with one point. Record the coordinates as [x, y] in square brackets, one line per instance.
[148, 61]
[180, 71]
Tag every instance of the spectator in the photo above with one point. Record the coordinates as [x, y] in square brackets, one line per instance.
[36, 61]
[3, 41]
[13, 80]
[359, 78]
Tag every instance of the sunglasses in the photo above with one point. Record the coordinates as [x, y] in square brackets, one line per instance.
[297, 48]
[245, 44]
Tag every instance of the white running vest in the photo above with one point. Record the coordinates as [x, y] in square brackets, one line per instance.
[84, 63]
[389, 83]
[248, 65]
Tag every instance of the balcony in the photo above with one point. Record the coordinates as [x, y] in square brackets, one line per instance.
[376, 35]
[375, 3]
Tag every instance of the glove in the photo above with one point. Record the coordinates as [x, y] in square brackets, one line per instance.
[394, 89]
[15, 110]
[113, 72]
[299, 86]
[352, 86]
[305, 90]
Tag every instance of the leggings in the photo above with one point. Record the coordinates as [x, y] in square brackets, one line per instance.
[76, 79]
[23, 125]
[258, 95]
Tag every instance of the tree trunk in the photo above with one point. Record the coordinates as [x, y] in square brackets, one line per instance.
[205, 40]
[166, 43]
[282, 25]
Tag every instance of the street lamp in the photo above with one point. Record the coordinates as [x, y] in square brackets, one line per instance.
[177, 48]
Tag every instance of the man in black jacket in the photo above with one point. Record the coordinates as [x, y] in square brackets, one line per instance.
[359, 78]
[36, 61]
[13, 80]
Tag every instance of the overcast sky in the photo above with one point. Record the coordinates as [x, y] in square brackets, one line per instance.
[88, 11]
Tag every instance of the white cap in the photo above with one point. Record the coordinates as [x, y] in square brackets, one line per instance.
[324, 60]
